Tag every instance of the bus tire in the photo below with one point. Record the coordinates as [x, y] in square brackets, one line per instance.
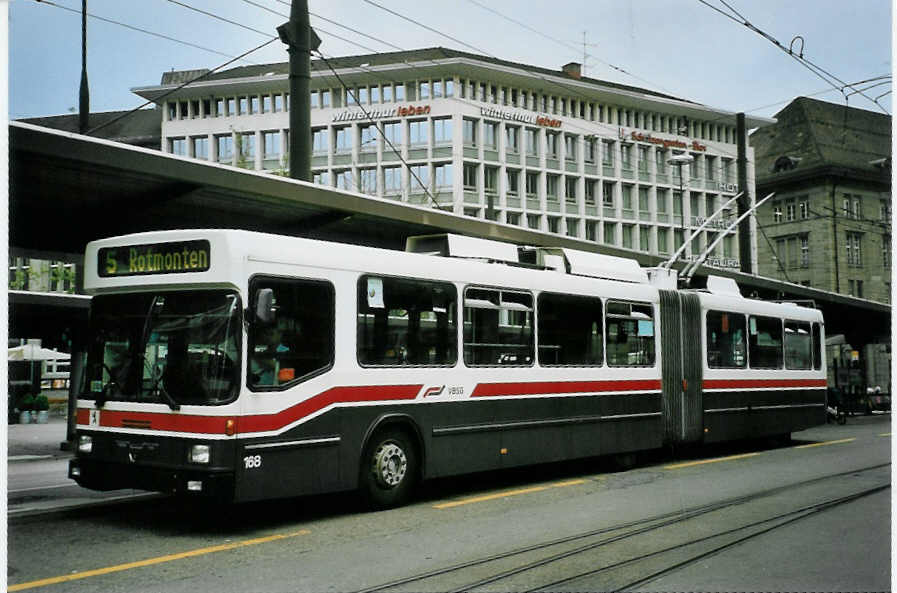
[389, 469]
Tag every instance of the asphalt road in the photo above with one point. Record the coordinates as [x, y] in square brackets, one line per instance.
[810, 515]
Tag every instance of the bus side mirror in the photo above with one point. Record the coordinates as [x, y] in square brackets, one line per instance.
[265, 311]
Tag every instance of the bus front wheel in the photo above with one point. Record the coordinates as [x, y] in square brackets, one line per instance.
[388, 469]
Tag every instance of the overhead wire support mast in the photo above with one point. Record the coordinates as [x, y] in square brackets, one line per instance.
[690, 270]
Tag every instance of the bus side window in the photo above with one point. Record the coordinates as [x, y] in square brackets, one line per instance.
[817, 346]
[765, 342]
[299, 341]
[405, 321]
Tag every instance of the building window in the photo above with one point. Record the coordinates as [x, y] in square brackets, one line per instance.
[789, 211]
[387, 93]
[321, 178]
[643, 200]
[589, 147]
[375, 94]
[854, 245]
[201, 147]
[512, 139]
[627, 236]
[532, 142]
[271, 147]
[570, 189]
[644, 238]
[552, 187]
[423, 90]
[551, 148]
[470, 132]
[319, 141]
[513, 181]
[569, 147]
[607, 157]
[470, 176]
[420, 178]
[532, 185]
[177, 146]
[247, 150]
[591, 230]
[608, 195]
[643, 159]
[490, 135]
[777, 212]
[363, 96]
[627, 197]
[367, 137]
[225, 147]
[554, 224]
[534, 221]
[442, 176]
[490, 179]
[662, 240]
[609, 233]
[805, 251]
[572, 227]
[804, 209]
[368, 181]
[344, 180]
[392, 136]
[590, 186]
[442, 131]
[626, 156]
[392, 180]
[417, 132]
[342, 143]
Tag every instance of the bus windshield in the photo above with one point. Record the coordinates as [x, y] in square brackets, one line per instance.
[176, 348]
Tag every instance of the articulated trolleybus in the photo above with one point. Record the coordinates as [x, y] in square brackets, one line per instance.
[248, 366]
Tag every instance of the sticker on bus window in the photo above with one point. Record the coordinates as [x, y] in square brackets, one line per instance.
[753, 326]
[96, 386]
[375, 293]
[645, 327]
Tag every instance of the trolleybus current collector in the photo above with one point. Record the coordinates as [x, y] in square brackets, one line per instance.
[248, 366]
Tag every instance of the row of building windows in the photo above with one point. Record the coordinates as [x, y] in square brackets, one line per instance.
[422, 90]
[791, 209]
[793, 252]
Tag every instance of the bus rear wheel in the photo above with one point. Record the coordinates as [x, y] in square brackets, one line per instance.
[389, 469]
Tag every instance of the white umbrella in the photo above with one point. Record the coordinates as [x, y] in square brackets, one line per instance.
[35, 352]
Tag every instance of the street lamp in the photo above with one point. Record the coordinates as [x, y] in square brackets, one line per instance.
[679, 160]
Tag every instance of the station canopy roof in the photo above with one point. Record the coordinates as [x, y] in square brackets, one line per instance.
[67, 189]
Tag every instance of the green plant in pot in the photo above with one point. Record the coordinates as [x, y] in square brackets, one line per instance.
[26, 404]
[42, 408]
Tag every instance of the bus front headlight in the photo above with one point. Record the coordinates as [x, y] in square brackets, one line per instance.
[199, 454]
[85, 443]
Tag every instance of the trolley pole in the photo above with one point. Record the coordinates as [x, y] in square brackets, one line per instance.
[300, 41]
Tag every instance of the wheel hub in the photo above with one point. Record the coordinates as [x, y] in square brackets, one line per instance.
[390, 465]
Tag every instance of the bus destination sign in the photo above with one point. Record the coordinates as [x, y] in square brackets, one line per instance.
[155, 258]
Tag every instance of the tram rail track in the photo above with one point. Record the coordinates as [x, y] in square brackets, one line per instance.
[628, 555]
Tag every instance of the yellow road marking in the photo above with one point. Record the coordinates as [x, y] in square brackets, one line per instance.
[885, 434]
[151, 561]
[825, 443]
[704, 461]
[457, 503]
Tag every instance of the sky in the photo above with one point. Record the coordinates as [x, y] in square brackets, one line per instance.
[681, 47]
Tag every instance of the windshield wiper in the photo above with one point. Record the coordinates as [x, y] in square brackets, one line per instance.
[157, 387]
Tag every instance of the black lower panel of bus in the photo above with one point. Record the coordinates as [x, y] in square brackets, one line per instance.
[112, 476]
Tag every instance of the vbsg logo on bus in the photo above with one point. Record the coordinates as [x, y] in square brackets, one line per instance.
[155, 258]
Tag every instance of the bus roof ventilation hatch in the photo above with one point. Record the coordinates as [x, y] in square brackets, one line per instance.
[449, 245]
[720, 285]
[593, 265]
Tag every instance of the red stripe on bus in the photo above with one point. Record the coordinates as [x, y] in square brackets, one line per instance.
[173, 422]
[559, 387]
[336, 395]
[761, 383]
